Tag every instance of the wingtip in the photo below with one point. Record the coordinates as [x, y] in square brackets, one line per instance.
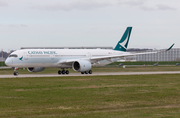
[171, 47]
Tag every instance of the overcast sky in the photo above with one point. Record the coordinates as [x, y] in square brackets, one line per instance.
[53, 23]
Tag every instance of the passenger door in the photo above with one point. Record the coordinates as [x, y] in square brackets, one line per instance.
[52, 57]
[25, 55]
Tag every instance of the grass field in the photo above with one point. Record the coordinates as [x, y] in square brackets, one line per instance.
[2, 64]
[101, 69]
[136, 96]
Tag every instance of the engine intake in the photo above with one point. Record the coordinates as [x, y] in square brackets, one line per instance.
[35, 69]
[81, 66]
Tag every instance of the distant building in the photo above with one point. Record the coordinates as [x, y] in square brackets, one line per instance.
[172, 55]
[2, 59]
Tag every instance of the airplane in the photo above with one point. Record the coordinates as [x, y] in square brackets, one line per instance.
[80, 60]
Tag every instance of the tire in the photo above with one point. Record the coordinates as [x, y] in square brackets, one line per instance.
[15, 73]
[90, 71]
[86, 72]
[82, 72]
[67, 72]
[59, 72]
[63, 72]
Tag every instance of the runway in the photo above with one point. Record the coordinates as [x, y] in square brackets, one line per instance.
[94, 74]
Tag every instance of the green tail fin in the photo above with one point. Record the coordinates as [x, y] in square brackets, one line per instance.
[123, 43]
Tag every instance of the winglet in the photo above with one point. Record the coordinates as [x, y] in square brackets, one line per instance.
[170, 47]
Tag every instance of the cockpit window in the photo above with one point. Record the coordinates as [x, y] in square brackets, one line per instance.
[13, 55]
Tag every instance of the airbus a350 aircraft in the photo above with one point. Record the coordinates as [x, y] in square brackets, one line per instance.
[81, 60]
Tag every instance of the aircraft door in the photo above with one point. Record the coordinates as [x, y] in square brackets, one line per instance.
[88, 54]
[52, 57]
[25, 55]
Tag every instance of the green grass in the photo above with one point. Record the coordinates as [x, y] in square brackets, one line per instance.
[136, 96]
[2, 64]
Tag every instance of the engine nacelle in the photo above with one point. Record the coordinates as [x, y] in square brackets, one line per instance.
[81, 66]
[35, 69]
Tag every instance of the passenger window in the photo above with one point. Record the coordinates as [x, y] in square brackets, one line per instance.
[13, 55]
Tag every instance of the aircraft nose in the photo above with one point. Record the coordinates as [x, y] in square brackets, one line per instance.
[7, 62]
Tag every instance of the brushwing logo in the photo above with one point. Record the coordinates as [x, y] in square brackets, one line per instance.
[21, 58]
[124, 42]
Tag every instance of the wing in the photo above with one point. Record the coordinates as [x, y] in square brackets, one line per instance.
[96, 59]
[127, 54]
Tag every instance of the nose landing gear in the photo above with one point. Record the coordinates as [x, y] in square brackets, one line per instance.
[15, 71]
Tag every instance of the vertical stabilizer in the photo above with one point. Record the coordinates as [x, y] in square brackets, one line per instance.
[123, 43]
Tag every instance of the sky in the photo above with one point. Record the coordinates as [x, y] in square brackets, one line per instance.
[81, 23]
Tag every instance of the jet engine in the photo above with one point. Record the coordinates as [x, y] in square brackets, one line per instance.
[35, 69]
[81, 66]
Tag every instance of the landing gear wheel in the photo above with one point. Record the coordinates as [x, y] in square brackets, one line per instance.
[63, 72]
[82, 72]
[67, 72]
[59, 72]
[86, 72]
[90, 71]
[15, 73]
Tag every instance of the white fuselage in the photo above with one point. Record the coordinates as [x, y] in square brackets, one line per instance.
[54, 57]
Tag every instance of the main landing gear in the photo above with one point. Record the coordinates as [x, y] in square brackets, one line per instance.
[87, 72]
[63, 72]
[15, 71]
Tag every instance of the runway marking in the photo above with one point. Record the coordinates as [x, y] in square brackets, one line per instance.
[94, 74]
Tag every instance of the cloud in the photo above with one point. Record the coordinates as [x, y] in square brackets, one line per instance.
[78, 5]
[157, 7]
[3, 4]
[144, 5]
[133, 3]
[164, 7]
[17, 25]
[145, 8]
[23, 25]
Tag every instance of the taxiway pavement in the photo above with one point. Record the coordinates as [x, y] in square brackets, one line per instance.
[94, 74]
